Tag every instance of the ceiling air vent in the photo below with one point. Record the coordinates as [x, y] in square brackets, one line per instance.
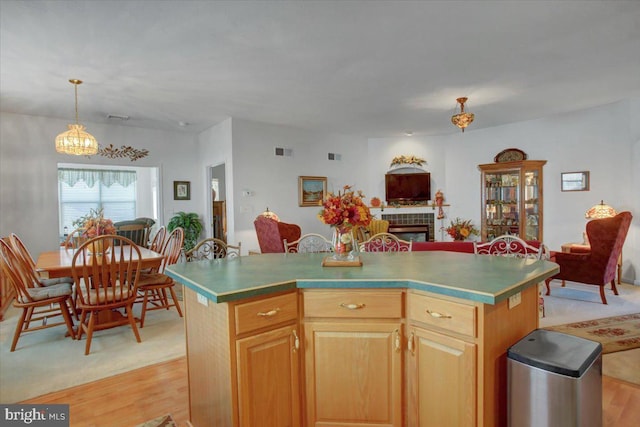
[334, 156]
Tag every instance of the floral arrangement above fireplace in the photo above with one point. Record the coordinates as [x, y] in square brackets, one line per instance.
[407, 160]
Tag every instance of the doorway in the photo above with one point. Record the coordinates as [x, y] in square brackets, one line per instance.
[218, 202]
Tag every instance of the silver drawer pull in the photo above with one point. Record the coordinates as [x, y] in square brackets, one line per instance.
[438, 315]
[269, 313]
[352, 306]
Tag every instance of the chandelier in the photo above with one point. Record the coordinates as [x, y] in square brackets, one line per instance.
[462, 119]
[76, 140]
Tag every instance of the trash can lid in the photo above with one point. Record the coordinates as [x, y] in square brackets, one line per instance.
[556, 352]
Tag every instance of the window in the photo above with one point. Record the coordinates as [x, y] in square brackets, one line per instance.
[80, 190]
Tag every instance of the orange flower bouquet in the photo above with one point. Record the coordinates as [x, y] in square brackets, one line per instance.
[461, 229]
[343, 212]
[95, 224]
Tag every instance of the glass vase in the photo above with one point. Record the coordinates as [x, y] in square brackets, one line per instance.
[345, 246]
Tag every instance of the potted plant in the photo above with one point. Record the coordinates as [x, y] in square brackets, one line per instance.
[190, 223]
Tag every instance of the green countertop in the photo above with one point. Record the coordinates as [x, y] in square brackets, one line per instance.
[483, 278]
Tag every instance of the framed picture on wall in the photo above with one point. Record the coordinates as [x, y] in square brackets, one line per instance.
[574, 181]
[181, 190]
[311, 190]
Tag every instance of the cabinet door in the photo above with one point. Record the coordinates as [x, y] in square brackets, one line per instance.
[353, 374]
[442, 380]
[269, 379]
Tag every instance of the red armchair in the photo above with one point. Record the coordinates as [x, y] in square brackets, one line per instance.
[271, 234]
[597, 267]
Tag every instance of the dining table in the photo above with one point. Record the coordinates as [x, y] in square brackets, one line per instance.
[58, 263]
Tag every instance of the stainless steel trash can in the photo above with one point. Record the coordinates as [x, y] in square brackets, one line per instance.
[554, 380]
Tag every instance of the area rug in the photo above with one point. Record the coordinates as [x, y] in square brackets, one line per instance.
[164, 421]
[616, 333]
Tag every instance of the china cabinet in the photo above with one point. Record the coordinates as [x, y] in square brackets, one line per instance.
[512, 199]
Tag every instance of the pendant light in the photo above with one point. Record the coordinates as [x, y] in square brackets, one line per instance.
[462, 119]
[76, 140]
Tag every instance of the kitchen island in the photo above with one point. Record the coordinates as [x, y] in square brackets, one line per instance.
[408, 339]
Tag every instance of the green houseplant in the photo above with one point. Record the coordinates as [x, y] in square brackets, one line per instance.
[190, 223]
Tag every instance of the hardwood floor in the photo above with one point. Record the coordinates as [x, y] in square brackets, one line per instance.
[128, 399]
[134, 397]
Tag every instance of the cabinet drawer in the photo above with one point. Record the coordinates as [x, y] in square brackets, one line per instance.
[449, 315]
[353, 304]
[266, 312]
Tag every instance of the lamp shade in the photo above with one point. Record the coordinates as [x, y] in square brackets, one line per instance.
[462, 119]
[76, 141]
[600, 211]
[270, 215]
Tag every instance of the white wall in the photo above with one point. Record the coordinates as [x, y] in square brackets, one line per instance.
[28, 171]
[273, 181]
[599, 140]
[603, 140]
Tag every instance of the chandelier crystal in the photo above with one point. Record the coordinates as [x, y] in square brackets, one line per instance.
[462, 119]
[76, 140]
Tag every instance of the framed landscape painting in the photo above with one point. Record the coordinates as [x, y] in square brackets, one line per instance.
[311, 190]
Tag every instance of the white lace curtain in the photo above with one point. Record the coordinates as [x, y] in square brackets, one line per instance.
[91, 176]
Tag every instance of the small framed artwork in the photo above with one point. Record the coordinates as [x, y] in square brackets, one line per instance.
[311, 190]
[574, 181]
[181, 190]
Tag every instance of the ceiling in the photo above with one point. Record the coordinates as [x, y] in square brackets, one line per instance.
[365, 68]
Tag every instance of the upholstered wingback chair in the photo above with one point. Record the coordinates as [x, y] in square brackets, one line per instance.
[597, 267]
[271, 234]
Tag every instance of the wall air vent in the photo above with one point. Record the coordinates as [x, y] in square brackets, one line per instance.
[334, 156]
[285, 152]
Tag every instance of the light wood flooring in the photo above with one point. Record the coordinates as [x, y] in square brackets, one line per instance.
[131, 398]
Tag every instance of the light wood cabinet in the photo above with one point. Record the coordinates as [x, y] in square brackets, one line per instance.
[244, 361]
[353, 355]
[441, 369]
[372, 357]
[512, 199]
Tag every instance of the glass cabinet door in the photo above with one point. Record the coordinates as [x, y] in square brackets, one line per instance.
[502, 214]
[512, 199]
[531, 218]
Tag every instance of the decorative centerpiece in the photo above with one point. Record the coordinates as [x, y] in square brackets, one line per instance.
[407, 160]
[460, 229]
[95, 224]
[343, 212]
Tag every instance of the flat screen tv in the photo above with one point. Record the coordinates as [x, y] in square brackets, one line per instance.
[407, 188]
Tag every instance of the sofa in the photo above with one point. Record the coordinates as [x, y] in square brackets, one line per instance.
[465, 246]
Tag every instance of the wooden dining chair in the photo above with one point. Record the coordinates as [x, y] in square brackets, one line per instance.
[153, 286]
[74, 239]
[158, 239]
[38, 303]
[21, 250]
[106, 280]
[213, 248]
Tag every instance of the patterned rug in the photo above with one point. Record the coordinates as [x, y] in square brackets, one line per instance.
[164, 421]
[614, 333]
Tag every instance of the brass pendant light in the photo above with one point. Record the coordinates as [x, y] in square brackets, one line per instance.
[76, 140]
[462, 119]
